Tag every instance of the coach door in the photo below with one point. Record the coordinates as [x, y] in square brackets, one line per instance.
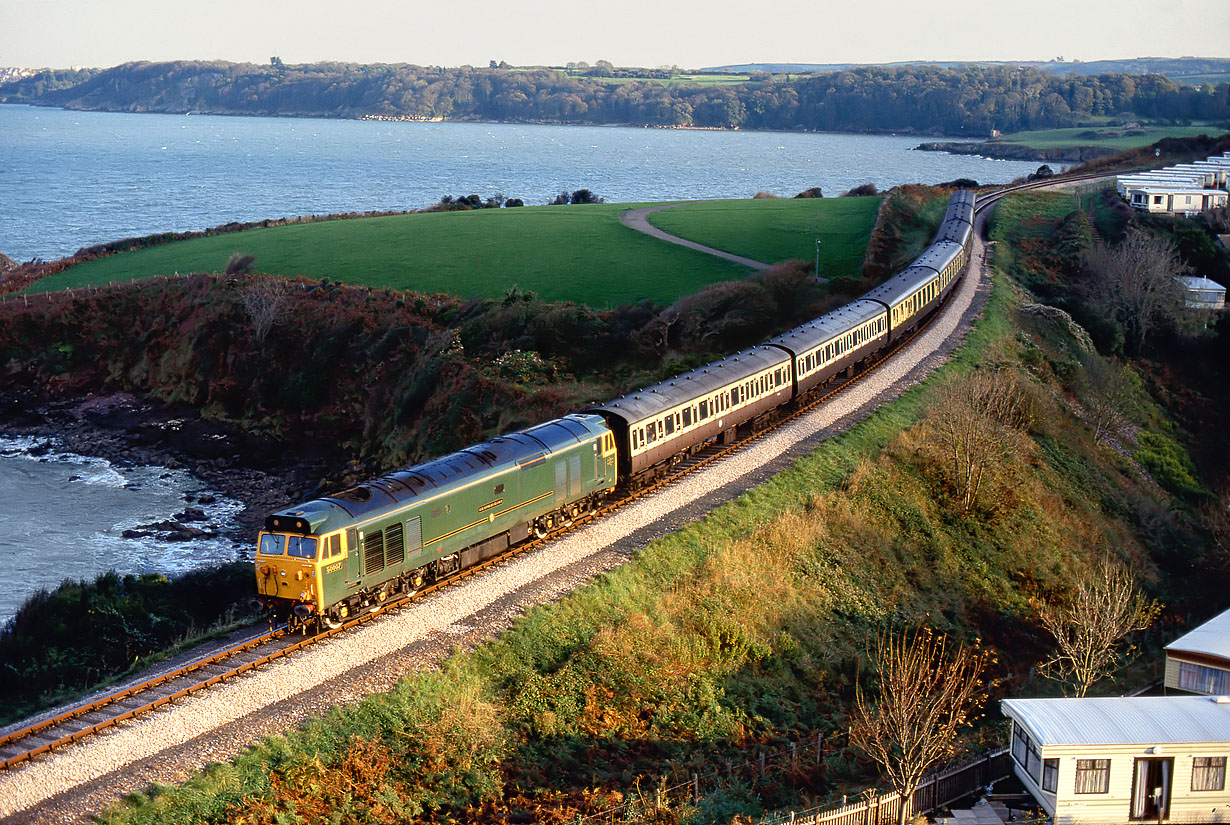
[1151, 788]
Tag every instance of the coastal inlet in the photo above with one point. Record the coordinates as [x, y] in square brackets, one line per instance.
[67, 516]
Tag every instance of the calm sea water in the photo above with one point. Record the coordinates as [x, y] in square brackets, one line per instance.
[62, 516]
[72, 179]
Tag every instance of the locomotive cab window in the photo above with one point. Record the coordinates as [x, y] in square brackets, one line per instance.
[303, 547]
[272, 545]
[335, 545]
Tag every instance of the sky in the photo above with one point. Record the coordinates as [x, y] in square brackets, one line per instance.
[687, 33]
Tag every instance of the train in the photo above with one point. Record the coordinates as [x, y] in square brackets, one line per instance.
[332, 558]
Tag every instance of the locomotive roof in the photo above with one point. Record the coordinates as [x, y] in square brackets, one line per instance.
[815, 333]
[437, 476]
[657, 399]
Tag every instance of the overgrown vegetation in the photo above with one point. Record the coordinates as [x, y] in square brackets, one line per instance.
[84, 633]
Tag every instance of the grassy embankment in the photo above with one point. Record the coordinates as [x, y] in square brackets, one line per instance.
[561, 253]
[748, 628]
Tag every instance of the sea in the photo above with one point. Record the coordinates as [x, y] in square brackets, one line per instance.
[63, 516]
[73, 179]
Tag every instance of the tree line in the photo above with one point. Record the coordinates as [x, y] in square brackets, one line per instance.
[966, 99]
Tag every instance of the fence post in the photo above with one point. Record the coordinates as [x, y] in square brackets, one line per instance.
[819, 747]
[794, 755]
[762, 765]
[695, 788]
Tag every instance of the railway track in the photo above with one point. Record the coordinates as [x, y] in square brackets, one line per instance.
[63, 729]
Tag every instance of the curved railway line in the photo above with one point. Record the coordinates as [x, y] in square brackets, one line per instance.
[63, 729]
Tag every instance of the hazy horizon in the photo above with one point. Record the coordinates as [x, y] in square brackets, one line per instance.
[648, 33]
[563, 64]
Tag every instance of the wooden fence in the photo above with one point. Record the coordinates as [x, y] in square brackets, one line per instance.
[936, 791]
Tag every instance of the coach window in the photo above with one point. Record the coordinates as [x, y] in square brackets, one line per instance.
[702, 410]
[651, 433]
[687, 416]
[670, 425]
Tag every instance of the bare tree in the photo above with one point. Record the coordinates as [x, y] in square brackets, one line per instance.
[1107, 390]
[1134, 284]
[265, 300]
[1103, 606]
[928, 689]
[975, 421]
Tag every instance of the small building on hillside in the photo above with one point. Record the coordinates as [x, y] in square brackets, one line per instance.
[1186, 188]
[1175, 199]
[1199, 661]
[1094, 761]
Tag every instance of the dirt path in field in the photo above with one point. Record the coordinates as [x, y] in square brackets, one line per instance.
[638, 219]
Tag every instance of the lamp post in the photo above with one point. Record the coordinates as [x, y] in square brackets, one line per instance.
[817, 259]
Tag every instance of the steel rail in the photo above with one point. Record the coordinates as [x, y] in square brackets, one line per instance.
[684, 467]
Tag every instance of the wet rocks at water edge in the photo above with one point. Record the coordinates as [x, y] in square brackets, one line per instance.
[173, 530]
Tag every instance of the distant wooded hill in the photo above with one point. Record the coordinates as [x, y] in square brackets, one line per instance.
[1175, 68]
[967, 99]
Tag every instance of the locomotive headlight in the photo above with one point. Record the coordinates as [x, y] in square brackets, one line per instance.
[264, 570]
[299, 575]
[281, 572]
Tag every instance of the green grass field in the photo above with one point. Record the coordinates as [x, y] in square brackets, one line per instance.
[1110, 137]
[778, 230]
[578, 253]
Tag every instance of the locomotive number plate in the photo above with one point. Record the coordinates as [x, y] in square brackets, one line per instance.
[333, 568]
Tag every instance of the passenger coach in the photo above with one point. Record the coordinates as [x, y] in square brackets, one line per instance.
[661, 423]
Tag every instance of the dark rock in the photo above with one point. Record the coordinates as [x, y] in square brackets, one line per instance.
[207, 499]
[191, 514]
[74, 478]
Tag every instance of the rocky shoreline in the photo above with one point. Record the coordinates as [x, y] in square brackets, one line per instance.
[1015, 151]
[130, 431]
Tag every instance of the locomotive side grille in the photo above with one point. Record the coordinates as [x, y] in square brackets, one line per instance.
[394, 547]
[373, 552]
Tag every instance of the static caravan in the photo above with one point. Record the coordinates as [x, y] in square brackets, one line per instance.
[1199, 661]
[1096, 761]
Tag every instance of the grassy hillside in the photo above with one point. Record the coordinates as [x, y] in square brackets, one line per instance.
[749, 628]
[574, 253]
[773, 230]
[1108, 137]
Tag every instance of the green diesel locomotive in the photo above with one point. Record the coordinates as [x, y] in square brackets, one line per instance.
[335, 556]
